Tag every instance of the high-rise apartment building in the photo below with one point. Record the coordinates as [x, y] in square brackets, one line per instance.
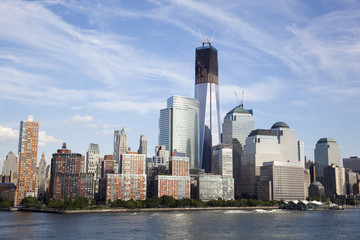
[143, 145]
[120, 146]
[207, 92]
[353, 163]
[68, 178]
[326, 153]
[178, 127]
[28, 146]
[130, 183]
[335, 181]
[177, 184]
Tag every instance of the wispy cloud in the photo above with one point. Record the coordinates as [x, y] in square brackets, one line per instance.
[8, 135]
[46, 139]
[78, 118]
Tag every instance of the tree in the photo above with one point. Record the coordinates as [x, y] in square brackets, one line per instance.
[29, 202]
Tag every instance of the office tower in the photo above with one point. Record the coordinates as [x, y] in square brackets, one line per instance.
[178, 127]
[42, 176]
[353, 163]
[238, 123]
[326, 153]
[9, 170]
[120, 146]
[222, 163]
[93, 164]
[281, 181]
[261, 146]
[207, 92]
[130, 183]
[291, 149]
[67, 176]
[177, 184]
[143, 145]
[335, 181]
[28, 146]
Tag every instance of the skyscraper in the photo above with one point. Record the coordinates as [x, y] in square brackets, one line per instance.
[207, 92]
[143, 145]
[28, 146]
[9, 170]
[42, 176]
[120, 146]
[326, 153]
[178, 127]
[238, 123]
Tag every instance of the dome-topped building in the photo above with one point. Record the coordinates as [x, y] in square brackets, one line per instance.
[280, 125]
[291, 148]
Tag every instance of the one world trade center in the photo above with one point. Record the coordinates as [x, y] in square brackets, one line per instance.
[207, 93]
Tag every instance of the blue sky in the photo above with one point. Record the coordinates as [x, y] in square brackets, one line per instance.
[86, 68]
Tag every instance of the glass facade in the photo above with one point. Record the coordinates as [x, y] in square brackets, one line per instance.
[207, 92]
[178, 127]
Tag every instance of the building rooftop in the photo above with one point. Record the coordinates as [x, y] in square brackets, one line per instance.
[326, 140]
[280, 125]
[239, 109]
[316, 183]
[263, 132]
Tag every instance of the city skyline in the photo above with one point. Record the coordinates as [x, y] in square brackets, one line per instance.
[84, 69]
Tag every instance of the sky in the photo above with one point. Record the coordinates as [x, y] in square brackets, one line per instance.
[87, 68]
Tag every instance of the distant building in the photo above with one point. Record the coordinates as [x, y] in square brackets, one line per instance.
[307, 182]
[10, 168]
[335, 182]
[353, 163]
[41, 172]
[28, 146]
[281, 181]
[178, 127]
[7, 191]
[120, 147]
[143, 145]
[351, 179]
[68, 178]
[326, 153]
[93, 162]
[316, 189]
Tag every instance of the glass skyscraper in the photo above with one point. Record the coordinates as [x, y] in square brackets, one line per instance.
[207, 92]
[178, 127]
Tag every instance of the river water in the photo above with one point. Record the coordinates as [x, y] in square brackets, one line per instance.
[219, 224]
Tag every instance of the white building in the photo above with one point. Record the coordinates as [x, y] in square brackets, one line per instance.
[261, 146]
[215, 186]
[178, 127]
[291, 148]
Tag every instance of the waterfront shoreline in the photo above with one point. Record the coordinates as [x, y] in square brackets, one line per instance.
[126, 210]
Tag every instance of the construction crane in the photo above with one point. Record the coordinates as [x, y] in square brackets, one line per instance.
[203, 39]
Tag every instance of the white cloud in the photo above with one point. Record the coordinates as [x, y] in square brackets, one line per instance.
[268, 89]
[45, 139]
[8, 135]
[78, 118]
[91, 125]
